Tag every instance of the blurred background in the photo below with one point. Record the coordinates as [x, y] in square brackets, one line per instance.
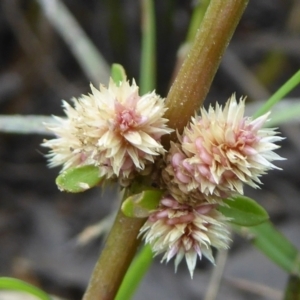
[43, 232]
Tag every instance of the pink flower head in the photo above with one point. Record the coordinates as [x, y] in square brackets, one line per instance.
[224, 149]
[180, 230]
[183, 182]
[113, 128]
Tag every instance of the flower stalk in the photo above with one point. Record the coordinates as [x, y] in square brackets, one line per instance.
[186, 96]
[120, 248]
[198, 70]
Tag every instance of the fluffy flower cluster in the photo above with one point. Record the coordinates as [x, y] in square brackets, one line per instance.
[219, 151]
[113, 128]
[180, 230]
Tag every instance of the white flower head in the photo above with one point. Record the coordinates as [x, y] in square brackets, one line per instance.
[224, 149]
[179, 230]
[113, 128]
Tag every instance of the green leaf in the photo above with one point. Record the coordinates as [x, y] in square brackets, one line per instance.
[288, 113]
[140, 205]
[118, 73]
[135, 273]
[7, 283]
[244, 211]
[283, 90]
[274, 245]
[76, 180]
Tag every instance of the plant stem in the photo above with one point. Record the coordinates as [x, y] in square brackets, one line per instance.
[198, 70]
[186, 96]
[148, 54]
[115, 258]
[292, 291]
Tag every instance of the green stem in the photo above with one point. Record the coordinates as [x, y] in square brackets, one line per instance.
[186, 96]
[148, 56]
[198, 70]
[115, 258]
[292, 291]
[135, 273]
[197, 17]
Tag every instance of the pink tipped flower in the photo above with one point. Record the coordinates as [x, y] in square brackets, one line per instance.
[224, 149]
[113, 128]
[183, 183]
[180, 230]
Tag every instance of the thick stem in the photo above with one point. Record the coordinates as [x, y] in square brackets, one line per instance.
[185, 96]
[115, 258]
[198, 70]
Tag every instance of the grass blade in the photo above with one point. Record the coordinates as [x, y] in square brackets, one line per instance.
[282, 92]
[274, 245]
[148, 55]
[7, 283]
[135, 273]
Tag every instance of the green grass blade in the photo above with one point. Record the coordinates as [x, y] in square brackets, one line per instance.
[197, 17]
[284, 115]
[135, 273]
[274, 245]
[7, 283]
[148, 55]
[282, 92]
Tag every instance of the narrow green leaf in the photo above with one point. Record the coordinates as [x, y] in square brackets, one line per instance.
[283, 91]
[135, 273]
[7, 283]
[274, 245]
[289, 113]
[76, 180]
[118, 73]
[148, 55]
[197, 17]
[244, 211]
[140, 205]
